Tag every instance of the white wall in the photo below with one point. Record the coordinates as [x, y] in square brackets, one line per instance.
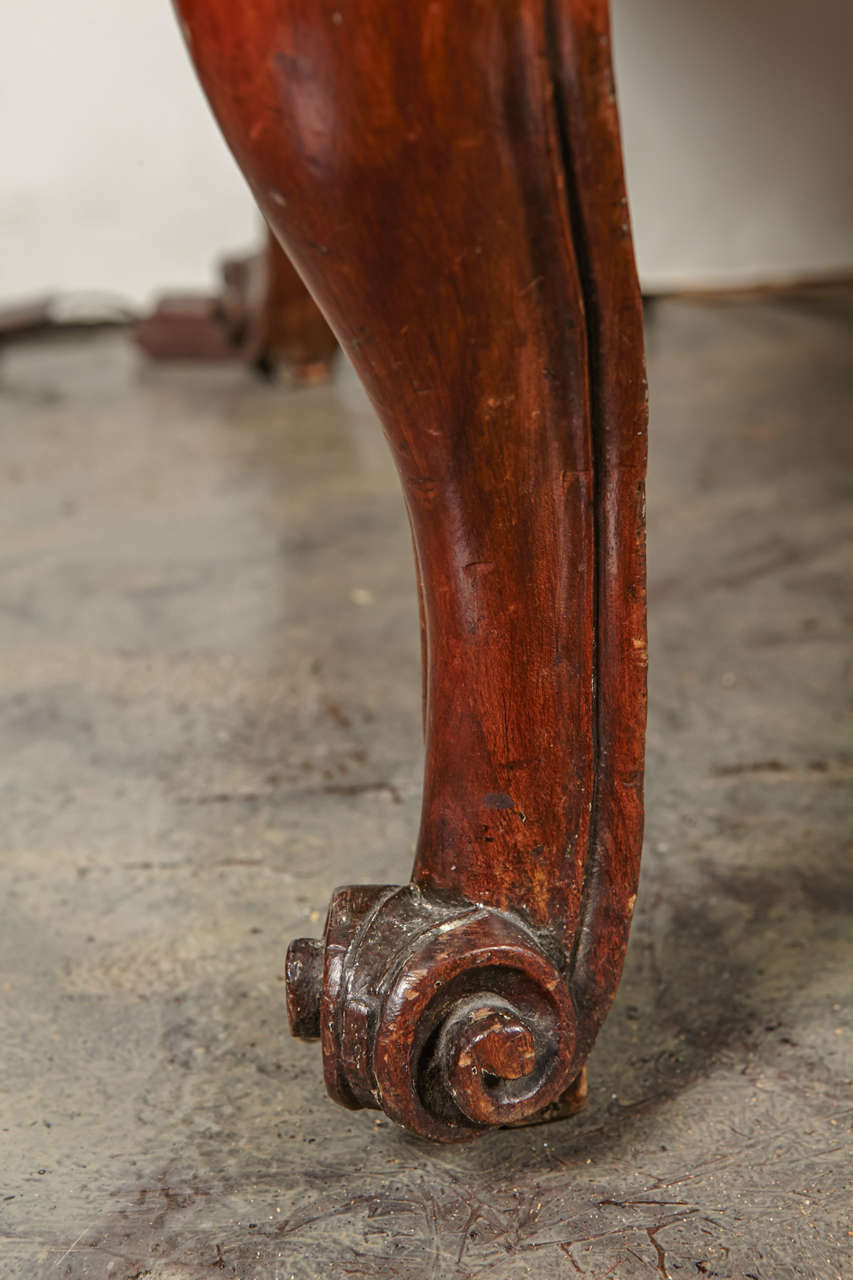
[737, 120]
[112, 172]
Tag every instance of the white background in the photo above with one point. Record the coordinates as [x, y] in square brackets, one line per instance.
[737, 120]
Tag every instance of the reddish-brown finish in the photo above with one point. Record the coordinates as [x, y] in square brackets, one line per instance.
[273, 317]
[447, 179]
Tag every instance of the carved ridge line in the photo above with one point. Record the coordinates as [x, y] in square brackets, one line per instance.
[580, 243]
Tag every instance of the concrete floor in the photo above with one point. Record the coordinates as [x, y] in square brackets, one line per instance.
[210, 688]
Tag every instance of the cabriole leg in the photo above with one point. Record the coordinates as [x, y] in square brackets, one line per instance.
[447, 180]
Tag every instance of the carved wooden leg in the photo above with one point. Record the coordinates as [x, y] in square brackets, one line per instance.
[447, 179]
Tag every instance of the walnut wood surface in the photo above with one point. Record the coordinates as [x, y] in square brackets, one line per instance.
[447, 180]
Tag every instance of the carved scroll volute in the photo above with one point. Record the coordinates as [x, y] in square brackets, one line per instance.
[444, 177]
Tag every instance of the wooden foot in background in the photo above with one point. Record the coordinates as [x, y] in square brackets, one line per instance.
[264, 316]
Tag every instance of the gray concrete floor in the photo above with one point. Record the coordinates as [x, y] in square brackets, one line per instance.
[210, 717]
